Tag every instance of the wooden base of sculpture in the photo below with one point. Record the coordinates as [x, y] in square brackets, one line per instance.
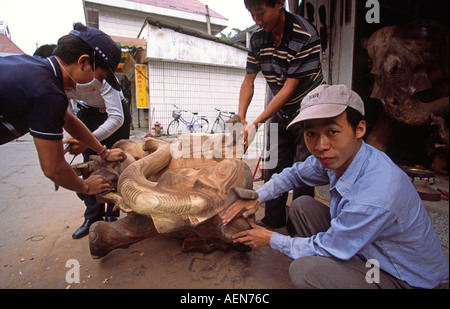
[105, 237]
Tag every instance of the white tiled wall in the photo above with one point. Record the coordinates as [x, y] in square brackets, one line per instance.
[198, 88]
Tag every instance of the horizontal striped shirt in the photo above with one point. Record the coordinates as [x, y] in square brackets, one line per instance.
[297, 56]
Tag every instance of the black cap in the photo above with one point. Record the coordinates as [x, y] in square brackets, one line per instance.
[105, 47]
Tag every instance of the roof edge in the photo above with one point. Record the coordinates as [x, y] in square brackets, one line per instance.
[189, 31]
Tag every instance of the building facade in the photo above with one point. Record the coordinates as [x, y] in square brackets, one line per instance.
[187, 66]
[7, 46]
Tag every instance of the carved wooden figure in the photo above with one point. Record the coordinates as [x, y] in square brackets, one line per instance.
[410, 69]
[174, 189]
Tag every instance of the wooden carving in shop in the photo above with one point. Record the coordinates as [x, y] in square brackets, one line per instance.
[173, 190]
[409, 65]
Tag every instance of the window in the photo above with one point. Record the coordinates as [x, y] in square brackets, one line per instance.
[92, 18]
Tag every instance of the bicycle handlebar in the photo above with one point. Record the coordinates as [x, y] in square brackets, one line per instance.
[224, 112]
[179, 109]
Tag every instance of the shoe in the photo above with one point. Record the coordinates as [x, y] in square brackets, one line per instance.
[110, 218]
[266, 226]
[261, 223]
[83, 230]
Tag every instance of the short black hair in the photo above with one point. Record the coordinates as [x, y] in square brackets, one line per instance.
[45, 51]
[251, 4]
[70, 48]
[354, 117]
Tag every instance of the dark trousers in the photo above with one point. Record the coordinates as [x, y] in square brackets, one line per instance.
[291, 149]
[310, 217]
[93, 119]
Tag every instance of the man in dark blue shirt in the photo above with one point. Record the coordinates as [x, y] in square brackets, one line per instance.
[33, 99]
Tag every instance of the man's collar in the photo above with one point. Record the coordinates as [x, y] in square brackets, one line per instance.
[348, 179]
[55, 67]
[288, 29]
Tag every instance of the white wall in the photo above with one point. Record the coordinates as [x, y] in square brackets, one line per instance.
[169, 45]
[337, 61]
[195, 74]
[199, 88]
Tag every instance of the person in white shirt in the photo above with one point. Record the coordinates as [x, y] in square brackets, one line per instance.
[105, 113]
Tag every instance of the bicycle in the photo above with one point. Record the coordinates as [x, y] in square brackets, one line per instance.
[219, 120]
[198, 124]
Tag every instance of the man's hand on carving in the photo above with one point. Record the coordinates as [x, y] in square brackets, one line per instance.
[97, 184]
[249, 207]
[113, 155]
[256, 237]
[116, 154]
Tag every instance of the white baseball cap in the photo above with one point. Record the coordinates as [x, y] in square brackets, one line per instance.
[328, 101]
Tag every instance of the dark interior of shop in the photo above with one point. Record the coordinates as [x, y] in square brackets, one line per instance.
[407, 144]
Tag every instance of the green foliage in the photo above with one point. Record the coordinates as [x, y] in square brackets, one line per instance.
[231, 34]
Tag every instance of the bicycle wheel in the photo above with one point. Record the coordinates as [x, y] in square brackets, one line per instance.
[214, 127]
[174, 128]
[222, 126]
[201, 125]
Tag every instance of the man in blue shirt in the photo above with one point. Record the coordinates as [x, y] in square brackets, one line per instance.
[33, 99]
[375, 219]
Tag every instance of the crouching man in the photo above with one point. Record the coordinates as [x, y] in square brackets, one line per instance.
[375, 213]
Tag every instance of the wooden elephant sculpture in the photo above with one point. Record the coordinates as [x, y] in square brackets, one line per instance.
[172, 189]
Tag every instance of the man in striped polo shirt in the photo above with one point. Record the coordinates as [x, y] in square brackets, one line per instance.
[286, 50]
